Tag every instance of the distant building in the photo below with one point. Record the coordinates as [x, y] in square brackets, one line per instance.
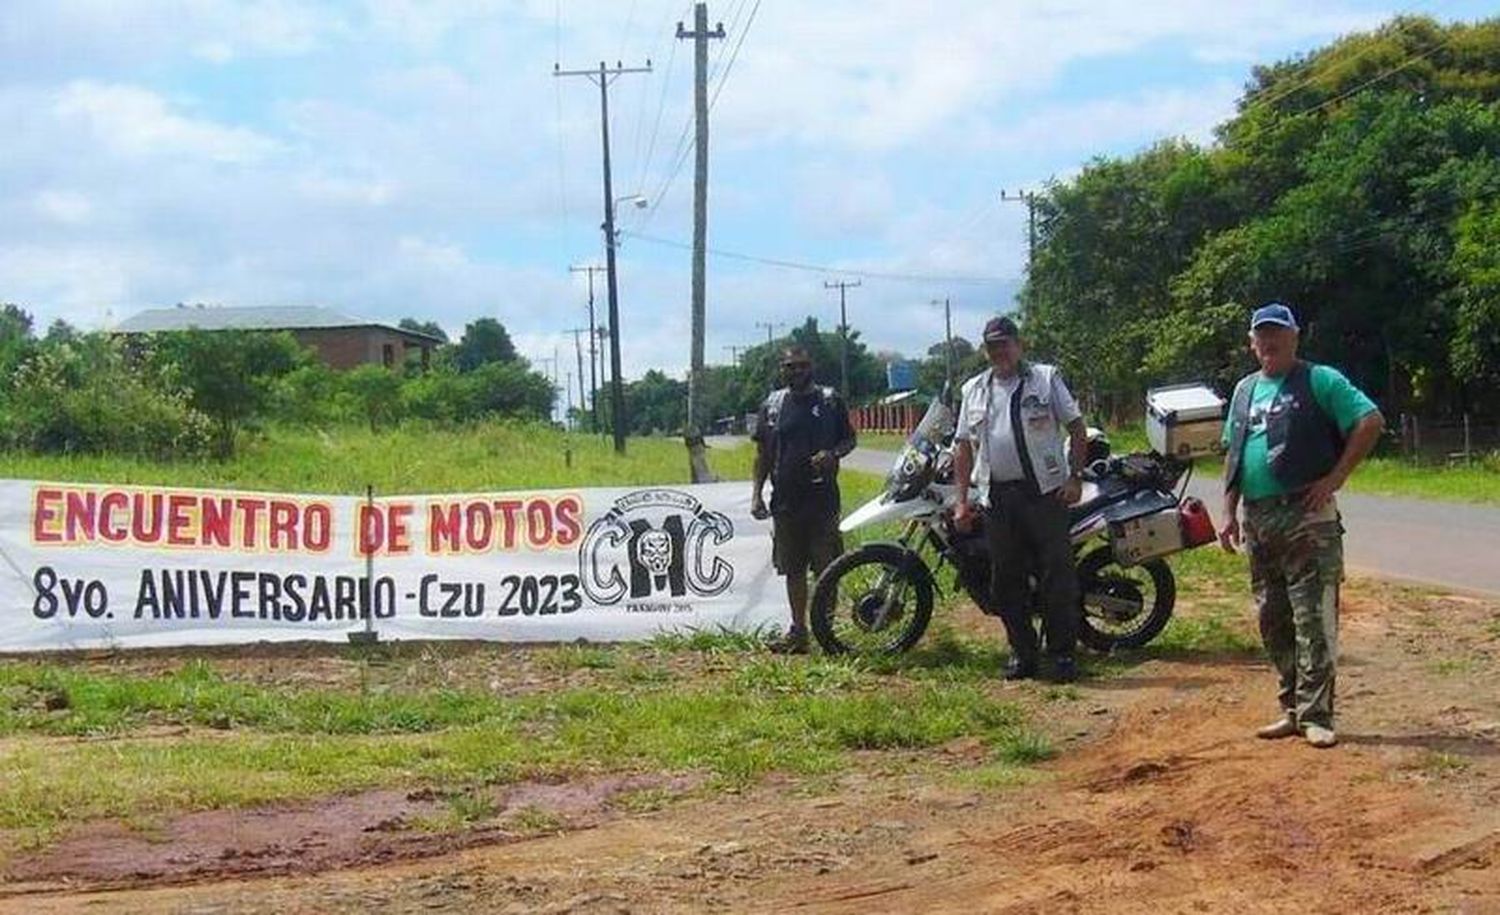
[342, 342]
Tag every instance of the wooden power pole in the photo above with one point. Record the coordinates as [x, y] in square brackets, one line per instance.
[843, 286]
[603, 77]
[590, 269]
[700, 35]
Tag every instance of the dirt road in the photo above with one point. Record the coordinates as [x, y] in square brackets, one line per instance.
[1159, 801]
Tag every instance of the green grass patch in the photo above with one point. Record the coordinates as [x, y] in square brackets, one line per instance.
[769, 715]
[1455, 667]
[412, 458]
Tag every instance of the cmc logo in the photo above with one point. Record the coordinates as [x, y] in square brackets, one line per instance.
[655, 541]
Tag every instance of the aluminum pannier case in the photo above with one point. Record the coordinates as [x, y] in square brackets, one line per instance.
[1185, 421]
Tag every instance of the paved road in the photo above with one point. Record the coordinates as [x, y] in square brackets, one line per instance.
[1442, 543]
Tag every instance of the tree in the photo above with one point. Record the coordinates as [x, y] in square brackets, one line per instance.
[229, 374]
[16, 340]
[484, 341]
[430, 328]
[376, 390]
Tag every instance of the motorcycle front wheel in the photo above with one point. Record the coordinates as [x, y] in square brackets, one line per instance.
[1123, 607]
[873, 600]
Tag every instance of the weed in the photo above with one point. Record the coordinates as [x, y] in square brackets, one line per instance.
[578, 657]
[534, 820]
[1449, 667]
[718, 640]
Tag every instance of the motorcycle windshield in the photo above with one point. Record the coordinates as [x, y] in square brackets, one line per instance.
[914, 464]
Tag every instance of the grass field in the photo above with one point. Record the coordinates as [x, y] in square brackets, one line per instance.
[701, 703]
[410, 459]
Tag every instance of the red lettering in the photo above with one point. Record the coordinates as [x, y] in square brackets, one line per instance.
[508, 509]
[42, 515]
[477, 518]
[251, 509]
[442, 529]
[569, 525]
[217, 515]
[317, 527]
[398, 527]
[371, 530]
[79, 512]
[539, 523]
[111, 503]
[179, 519]
[283, 525]
[145, 509]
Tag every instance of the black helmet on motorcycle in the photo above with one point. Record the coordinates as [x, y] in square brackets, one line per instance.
[1098, 445]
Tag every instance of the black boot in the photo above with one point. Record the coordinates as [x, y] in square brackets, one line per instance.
[1064, 669]
[1020, 668]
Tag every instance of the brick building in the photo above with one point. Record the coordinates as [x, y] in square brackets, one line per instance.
[342, 342]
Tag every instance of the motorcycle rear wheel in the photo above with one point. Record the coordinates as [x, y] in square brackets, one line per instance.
[1102, 582]
[873, 600]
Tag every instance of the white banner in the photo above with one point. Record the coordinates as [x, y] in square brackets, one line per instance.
[97, 565]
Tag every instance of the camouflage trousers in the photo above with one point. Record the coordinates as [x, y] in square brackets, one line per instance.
[1296, 565]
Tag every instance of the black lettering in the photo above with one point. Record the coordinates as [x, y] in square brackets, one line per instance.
[345, 600]
[296, 611]
[45, 605]
[173, 595]
[240, 595]
[321, 606]
[269, 587]
[215, 595]
[424, 605]
[385, 598]
[571, 599]
[507, 608]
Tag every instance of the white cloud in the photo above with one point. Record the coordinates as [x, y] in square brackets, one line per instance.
[1100, 123]
[132, 121]
[64, 207]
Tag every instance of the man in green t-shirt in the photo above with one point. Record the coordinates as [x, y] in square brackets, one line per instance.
[1296, 431]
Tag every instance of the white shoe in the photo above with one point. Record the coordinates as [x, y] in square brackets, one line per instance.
[1285, 727]
[1319, 736]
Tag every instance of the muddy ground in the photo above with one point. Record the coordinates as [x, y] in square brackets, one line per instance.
[1158, 800]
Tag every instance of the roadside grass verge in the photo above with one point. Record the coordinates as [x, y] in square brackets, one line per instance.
[248, 744]
[412, 458]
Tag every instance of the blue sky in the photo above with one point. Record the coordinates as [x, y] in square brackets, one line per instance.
[396, 158]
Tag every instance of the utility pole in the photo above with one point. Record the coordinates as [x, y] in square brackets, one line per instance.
[1028, 198]
[578, 349]
[568, 416]
[593, 403]
[697, 457]
[843, 286]
[602, 78]
[551, 375]
[947, 339]
[770, 329]
[734, 352]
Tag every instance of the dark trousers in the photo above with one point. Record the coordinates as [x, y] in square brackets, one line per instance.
[1029, 532]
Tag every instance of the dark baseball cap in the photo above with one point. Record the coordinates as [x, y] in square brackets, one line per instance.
[999, 328]
[1273, 313]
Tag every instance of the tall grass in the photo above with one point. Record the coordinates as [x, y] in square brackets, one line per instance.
[413, 458]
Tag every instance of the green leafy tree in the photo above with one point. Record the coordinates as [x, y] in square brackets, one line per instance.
[230, 374]
[430, 328]
[484, 342]
[376, 392]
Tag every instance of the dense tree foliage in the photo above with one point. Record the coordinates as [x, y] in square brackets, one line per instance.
[1360, 184]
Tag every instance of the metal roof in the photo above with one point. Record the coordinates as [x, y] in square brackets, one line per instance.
[280, 317]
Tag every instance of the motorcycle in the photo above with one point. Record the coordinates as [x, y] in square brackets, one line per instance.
[878, 597]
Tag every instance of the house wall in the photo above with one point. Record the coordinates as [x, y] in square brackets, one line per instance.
[349, 347]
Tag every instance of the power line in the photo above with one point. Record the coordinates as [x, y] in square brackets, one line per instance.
[818, 268]
[680, 153]
[661, 107]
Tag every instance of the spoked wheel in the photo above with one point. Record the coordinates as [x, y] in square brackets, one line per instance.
[873, 600]
[1123, 607]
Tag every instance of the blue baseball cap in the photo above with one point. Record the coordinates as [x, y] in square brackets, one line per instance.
[1273, 313]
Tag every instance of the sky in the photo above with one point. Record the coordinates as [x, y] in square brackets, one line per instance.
[417, 158]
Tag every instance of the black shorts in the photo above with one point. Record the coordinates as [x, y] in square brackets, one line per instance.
[805, 540]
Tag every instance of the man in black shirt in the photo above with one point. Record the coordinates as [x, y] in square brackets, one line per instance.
[800, 434]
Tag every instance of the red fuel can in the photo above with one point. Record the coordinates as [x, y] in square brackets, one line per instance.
[1197, 526]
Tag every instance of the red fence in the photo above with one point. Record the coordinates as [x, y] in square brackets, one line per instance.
[896, 418]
